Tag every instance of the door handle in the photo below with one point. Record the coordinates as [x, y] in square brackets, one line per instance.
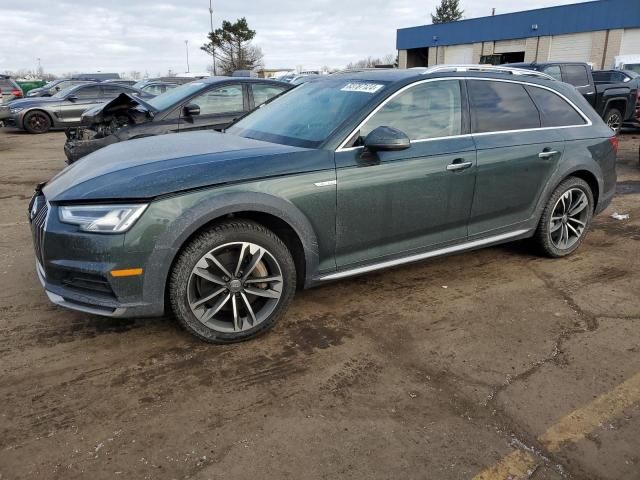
[458, 165]
[547, 154]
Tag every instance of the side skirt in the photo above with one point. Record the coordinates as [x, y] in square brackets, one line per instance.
[482, 242]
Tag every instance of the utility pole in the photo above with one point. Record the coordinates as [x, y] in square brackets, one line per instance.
[186, 46]
[213, 51]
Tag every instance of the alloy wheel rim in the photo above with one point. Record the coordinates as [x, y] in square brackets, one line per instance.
[569, 218]
[614, 122]
[235, 287]
[37, 122]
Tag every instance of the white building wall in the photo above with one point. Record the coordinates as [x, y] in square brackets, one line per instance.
[630, 42]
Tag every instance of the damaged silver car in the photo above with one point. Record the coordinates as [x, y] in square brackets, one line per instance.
[211, 103]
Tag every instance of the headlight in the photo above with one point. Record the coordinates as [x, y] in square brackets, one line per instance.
[15, 109]
[101, 218]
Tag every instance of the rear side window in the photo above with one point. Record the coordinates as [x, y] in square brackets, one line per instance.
[501, 106]
[555, 111]
[428, 110]
[554, 71]
[263, 92]
[576, 75]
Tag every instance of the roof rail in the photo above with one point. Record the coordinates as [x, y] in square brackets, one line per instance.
[487, 68]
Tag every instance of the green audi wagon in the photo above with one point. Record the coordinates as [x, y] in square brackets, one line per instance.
[343, 175]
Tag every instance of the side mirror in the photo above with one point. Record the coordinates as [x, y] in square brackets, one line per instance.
[57, 89]
[191, 109]
[72, 98]
[386, 139]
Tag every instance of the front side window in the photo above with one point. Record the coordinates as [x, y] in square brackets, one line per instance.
[501, 106]
[220, 100]
[554, 110]
[263, 92]
[112, 91]
[427, 110]
[554, 71]
[92, 91]
[576, 75]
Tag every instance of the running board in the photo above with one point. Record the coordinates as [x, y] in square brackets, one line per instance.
[422, 256]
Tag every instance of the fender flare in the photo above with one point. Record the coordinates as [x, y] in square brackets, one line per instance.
[218, 206]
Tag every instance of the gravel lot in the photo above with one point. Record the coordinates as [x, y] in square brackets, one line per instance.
[484, 364]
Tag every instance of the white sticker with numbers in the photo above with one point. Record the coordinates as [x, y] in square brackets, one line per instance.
[362, 87]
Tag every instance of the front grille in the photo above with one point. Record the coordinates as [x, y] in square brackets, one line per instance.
[37, 227]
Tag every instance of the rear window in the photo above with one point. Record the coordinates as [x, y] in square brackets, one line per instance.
[501, 106]
[555, 111]
[6, 83]
[576, 75]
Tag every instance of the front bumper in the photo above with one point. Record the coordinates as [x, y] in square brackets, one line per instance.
[74, 268]
[76, 147]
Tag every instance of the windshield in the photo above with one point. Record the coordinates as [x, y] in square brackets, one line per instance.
[307, 115]
[173, 96]
[63, 93]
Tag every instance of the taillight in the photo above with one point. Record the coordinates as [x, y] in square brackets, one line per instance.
[614, 143]
[16, 92]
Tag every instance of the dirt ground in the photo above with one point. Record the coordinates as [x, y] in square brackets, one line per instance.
[484, 365]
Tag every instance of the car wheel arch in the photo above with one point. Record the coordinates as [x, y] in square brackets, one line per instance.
[275, 213]
[39, 110]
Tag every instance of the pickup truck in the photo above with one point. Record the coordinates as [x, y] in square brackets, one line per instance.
[626, 76]
[614, 102]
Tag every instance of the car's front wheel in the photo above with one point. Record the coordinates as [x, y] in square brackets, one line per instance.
[37, 122]
[232, 282]
[566, 218]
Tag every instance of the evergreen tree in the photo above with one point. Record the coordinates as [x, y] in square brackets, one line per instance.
[448, 11]
[232, 47]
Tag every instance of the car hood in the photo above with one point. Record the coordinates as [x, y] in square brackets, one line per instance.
[136, 108]
[32, 102]
[153, 166]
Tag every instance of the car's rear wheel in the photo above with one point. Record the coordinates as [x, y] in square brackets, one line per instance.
[613, 118]
[566, 218]
[37, 122]
[232, 282]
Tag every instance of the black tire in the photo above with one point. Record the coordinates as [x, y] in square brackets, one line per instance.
[613, 118]
[218, 236]
[546, 235]
[37, 121]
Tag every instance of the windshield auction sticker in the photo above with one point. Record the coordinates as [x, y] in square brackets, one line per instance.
[362, 87]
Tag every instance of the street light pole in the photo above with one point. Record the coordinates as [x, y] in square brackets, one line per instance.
[213, 52]
[186, 46]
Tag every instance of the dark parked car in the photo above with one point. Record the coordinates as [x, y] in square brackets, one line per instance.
[615, 103]
[337, 177]
[211, 103]
[40, 114]
[622, 76]
[54, 87]
[121, 81]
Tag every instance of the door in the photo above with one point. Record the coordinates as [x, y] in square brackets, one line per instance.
[219, 107]
[458, 54]
[575, 47]
[83, 97]
[516, 156]
[396, 203]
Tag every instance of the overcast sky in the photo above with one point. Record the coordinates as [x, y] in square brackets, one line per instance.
[148, 35]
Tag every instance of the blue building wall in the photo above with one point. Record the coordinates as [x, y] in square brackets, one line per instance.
[564, 19]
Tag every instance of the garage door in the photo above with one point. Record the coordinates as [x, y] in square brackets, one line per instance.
[575, 47]
[630, 42]
[507, 46]
[458, 54]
